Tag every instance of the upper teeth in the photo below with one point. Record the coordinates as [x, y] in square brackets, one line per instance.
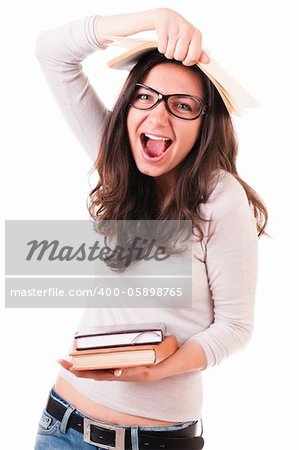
[156, 138]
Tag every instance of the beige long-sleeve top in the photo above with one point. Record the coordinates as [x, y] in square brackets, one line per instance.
[224, 263]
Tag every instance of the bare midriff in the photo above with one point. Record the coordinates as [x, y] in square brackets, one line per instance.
[101, 412]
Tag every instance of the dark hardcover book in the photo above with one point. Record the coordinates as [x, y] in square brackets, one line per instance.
[120, 335]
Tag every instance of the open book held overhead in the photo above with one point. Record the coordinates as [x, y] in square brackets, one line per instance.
[236, 99]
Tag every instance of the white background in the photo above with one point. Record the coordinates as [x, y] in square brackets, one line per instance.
[249, 398]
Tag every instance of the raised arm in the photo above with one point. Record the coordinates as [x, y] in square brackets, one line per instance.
[177, 38]
[60, 52]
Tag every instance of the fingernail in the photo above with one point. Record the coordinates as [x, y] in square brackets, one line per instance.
[118, 372]
[205, 58]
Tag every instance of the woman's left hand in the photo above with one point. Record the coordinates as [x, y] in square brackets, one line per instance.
[143, 374]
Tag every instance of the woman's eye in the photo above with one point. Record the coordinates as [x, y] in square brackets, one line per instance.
[184, 106]
[144, 98]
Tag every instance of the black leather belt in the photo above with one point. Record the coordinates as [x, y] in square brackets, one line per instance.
[116, 437]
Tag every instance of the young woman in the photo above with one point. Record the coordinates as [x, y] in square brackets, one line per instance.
[174, 157]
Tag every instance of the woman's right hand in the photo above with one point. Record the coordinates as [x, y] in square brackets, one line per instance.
[177, 38]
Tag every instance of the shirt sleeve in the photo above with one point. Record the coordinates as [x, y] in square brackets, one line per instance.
[60, 52]
[231, 264]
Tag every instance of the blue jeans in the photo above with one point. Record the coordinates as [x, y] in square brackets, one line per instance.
[54, 435]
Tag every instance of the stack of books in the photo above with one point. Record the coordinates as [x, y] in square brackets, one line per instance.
[117, 346]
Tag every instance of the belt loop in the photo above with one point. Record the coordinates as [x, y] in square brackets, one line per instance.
[201, 424]
[134, 438]
[65, 418]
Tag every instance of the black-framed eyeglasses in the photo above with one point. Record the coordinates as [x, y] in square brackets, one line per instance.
[184, 106]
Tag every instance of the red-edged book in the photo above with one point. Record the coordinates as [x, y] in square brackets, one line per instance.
[128, 356]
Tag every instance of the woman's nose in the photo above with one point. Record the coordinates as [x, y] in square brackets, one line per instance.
[160, 112]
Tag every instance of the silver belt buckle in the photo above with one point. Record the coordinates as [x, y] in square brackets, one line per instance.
[119, 434]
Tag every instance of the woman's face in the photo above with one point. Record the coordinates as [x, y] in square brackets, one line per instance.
[158, 139]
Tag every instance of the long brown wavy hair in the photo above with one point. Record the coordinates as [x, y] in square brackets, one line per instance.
[124, 193]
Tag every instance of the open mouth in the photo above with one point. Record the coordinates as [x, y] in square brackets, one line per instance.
[154, 146]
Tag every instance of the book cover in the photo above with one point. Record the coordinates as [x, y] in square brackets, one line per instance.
[128, 356]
